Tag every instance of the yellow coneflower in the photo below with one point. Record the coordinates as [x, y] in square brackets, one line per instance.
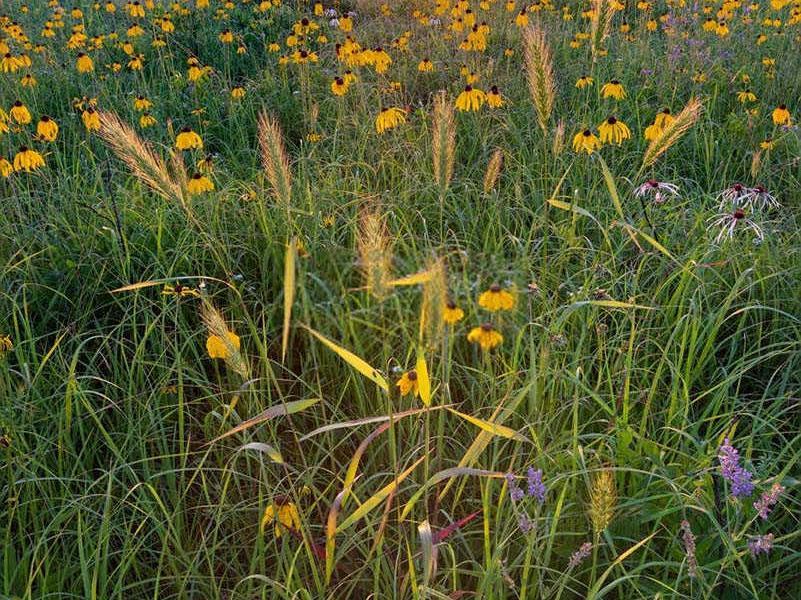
[147, 120]
[613, 89]
[389, 118]
[284, 515]
[91, 120]
[471, 99]
[237, 92]
[586, 141]
[663, 118]
[179, 291]
[485, 336]
[6, 344]
[781, 116]
[84, 63]
[218, 348]
[494, 98]
[425, 66]
[452, 314]
[10, 63]
[28, 81]
[6, 168]
[496, 298]
[613, 131]
[47, 129]
[226, 37]
[188, 140]
[746, 96]
[199, 184]
[19, 112]
[584, 81]
[767, 144]
[141, 103]
[27, 160]
[521, 20]
[409, 384]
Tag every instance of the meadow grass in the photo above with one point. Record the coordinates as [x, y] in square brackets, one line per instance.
[135, 465]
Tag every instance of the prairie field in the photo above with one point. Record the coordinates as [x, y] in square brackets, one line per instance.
[428, 299]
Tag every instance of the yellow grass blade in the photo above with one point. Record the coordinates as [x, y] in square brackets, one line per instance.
[289, 292]
[378, 497]
[490, 427]
[354, 361]
[423, 380]
[416, 279]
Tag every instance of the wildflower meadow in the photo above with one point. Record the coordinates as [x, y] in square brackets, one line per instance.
[426, 299]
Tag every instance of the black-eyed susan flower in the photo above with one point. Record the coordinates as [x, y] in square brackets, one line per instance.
[19, 112]
[237, 92]
[652, 132]
[494, 98]
[521, 20]
[613, 89]
[188, 140]
[452, 314]
[746, 96]
[47, 129]
[199, 184]
[485, 336]
[471, 99]
[767, 144]
[496, 298]
[389, 118]
[664, 118]
[218, 348]
[409, 384]
[586, 141]
[27, 160]
[339, 87]
[613, 131]
[584, 81]
[10, 63]
[781, 116]
[6, 345]
[180, 291]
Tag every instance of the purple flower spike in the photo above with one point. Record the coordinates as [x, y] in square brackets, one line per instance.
[536, 488]
[739, 478]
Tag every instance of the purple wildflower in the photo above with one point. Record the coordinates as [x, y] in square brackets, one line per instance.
[739, 478]
[768, 499]
[579, 555]
[688, 538]
[525, 523]
[515, 493]
[762, 544]
[536, 488]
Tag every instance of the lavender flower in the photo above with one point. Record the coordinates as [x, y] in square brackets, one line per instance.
[762, 544]
[579, 555]
[515, 493]
[730, 469]
[688, 538]
[536, 488]
[768, 499]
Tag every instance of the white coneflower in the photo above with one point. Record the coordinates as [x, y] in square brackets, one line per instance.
[762, 198]
[734, 195]
[730, 222]
[658, 190]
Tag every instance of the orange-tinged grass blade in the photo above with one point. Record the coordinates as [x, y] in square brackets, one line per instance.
[289, 292]
[330, 535]
[350, 474]
[354, 361]
[274, 411]
[423, 380]
[491, 427]
[378, 497]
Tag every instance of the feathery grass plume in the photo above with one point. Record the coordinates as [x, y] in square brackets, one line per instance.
[274, 159]
[375, 251]
[539, 71]
[603, 499]
[443, 147]
[494, 167]
[672, 132]
[435, 298]
[216, 326]
[137, 154]
[601, 23]
[756, 164]
[558, 138]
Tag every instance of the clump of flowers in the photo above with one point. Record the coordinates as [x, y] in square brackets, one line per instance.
[768, 500]
[688, 538]
[535, 489]
[580, 555]
[730, 469]
[761, 544]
